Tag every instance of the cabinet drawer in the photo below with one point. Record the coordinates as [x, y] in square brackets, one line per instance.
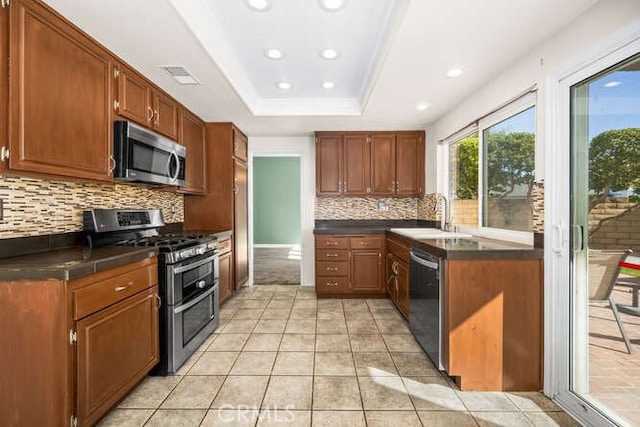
[224, 246]
[331, 242]
[101, 294]
[398, 249]
[340, 268]
[365, 243]
[331, 255]
[332, 284]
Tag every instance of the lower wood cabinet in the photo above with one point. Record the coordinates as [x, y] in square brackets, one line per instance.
[73, 358]
[397, 273]
[492, 324]
[225, 272]
[350, 265]
[115, 348]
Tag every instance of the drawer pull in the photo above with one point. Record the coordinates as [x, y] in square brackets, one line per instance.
[332, 255]
[332, 268]
[122, 288]
[331, 243]
[364, 243]
[332, 283]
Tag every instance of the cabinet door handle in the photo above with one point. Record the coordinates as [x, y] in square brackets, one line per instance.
[332, 255]
[112, 164]
[332, 268]
[149, 114]
[156, 114]
[332, 284]
[122, 288]
[331, 243]
[159, 301]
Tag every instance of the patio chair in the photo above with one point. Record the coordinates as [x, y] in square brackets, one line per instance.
[604, 268]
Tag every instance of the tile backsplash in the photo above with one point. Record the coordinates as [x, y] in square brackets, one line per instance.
[369, 208]
[34, 207]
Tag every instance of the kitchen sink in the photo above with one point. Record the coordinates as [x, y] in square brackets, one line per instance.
[429, 233]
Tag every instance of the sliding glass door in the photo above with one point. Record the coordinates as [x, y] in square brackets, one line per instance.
[604, 239]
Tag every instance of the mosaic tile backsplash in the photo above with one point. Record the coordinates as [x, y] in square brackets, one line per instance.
[34, 207]
[369, 208]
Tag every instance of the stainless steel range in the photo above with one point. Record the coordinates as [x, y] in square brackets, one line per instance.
[188, 277]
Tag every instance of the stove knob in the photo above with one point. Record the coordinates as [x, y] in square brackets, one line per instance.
[201, 250]
[201, 284]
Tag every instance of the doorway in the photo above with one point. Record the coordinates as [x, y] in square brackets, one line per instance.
[593, 268]
[276, 220]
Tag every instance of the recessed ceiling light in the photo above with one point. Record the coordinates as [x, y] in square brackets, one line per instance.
[612, 84]
[273, 53]
[328, 85]
[332, 5]
[454, 72]
[259, 5]
[284, 85]
[329, 54]
[421, 106]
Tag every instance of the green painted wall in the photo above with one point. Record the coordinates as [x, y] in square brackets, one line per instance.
[276, 200]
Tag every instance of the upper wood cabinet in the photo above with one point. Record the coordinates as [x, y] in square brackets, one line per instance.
[398, 163]
[138, 100]
[59, 95]
[329, 164]
[342, 164]
[370, 163]
[192, 136]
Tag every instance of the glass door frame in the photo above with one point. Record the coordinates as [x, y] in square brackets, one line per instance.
[557, 275]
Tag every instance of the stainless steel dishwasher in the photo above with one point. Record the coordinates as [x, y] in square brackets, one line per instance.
[425, 280]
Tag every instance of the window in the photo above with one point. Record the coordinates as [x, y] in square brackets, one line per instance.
[507, 169]
[491, 169]
[463, 181]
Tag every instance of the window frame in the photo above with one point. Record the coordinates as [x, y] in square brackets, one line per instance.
[503, 113]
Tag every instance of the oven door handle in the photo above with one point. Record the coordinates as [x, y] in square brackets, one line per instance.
[424, 262]
[184, 268]
[190, 304]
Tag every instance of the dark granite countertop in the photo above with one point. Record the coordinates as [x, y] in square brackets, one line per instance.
[367, 226]
[459, 248]
[70, 263]
[471, 248]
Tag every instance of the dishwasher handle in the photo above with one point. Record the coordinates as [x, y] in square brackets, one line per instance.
[429, 264]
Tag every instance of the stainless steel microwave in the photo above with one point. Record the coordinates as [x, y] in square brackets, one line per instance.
[146, 157]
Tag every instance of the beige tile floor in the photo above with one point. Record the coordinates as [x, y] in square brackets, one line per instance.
[282, 358]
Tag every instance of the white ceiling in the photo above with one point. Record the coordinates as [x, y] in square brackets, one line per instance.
[393, 55]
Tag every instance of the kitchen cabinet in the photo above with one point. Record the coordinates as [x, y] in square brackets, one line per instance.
[192, 136]
[343, 163]
[77, 347]
[398, 275]
[60, 89]
[492, 323]
[349, 265]
[397, 163]
[380, 164]
[224, 206]
[138, 100]
[225, 271]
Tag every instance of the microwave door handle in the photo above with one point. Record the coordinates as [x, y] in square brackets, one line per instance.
[173, 155]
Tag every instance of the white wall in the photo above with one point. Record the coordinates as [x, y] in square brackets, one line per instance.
[589, 32]
[305, 148]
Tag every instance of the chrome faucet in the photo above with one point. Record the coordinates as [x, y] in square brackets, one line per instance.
[442, 205]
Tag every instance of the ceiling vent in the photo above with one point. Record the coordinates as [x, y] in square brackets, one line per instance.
[181, 75]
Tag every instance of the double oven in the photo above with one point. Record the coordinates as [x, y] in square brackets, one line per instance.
[191, 298]
[187, 277]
